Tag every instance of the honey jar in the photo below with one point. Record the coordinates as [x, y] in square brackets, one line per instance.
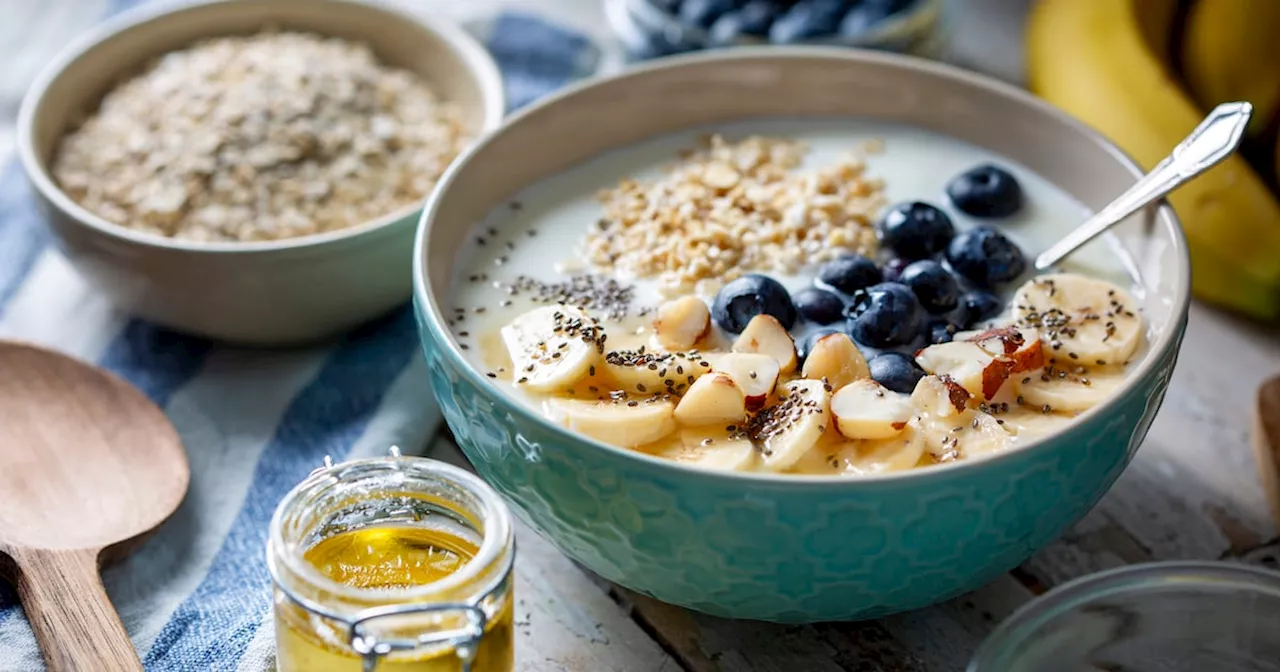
[394, 564]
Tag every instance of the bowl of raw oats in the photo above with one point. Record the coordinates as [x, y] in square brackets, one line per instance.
[253, 172]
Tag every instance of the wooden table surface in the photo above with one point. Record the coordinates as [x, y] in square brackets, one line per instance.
[1191, 493]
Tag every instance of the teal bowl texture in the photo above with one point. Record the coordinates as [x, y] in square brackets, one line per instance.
[776, 547]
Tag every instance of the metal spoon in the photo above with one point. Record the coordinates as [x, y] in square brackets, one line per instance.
[1212, 141]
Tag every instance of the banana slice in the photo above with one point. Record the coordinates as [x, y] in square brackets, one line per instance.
[765, 335]
[619, 422]
[837, 360]
[1056, 390]
[553, 347]
[864, 457]
[712, 399]
[649, 372]
[896, 453]
[1084, 321]
[1027, 423]
[711, 449]
[950, 430]
[864, 409]
[756, 375]
[789, 428]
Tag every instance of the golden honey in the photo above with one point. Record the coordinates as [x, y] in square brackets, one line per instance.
[401, 580]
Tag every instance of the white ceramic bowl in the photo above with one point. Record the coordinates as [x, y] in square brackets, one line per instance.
[265, 293]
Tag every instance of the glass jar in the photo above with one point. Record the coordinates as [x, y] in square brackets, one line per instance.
[1167, 616]
[392, 564]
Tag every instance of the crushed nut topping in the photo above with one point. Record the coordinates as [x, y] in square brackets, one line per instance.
[731, 208]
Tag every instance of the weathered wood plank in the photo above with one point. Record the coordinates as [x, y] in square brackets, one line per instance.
[1193, 490]
[939, 638]
[564, 621]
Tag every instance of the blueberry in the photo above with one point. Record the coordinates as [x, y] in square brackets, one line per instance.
[934, 285]
[986, 191]
[977, 306]
[895, 371]
[819, 305]
[850, 273]
[862, 18]
[753, 19]
[805, 345]
[916, 230]
[940, 330]
[885, 315]
[808, 19]
[893, 269]
[748, 296]
[668, 6]
[889, 6]
[703, 13]
[654, 45]
[985, 257]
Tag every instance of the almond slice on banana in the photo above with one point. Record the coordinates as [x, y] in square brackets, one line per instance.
[621, 423]
[950, 429]
[1020, 348]
[1059, 390]
[553, 347]
[835, 359]
[979, 372]
[790, 428]
[940, 396]
[647, 372]
[756, 375]
[985, 360]
[711, 449]
[712, 399]
[681, 323]
[1084, 321]
[864, 409]
[765, 335]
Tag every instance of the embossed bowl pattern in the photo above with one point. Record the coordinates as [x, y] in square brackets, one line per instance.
[779, 548]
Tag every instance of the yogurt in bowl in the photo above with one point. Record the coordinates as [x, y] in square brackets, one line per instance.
[790, 544]
[829, 296]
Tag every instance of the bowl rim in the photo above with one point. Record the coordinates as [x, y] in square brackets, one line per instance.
[1164, 341]
[480, 66]
[1118, 582]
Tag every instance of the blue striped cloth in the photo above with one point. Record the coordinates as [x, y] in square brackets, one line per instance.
[197, 595]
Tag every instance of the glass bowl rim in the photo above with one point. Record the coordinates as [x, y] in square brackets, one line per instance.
[1143, 578]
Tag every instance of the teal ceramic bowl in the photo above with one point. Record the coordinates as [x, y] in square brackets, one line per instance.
[793, 548]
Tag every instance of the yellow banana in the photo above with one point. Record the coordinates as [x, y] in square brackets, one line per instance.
[1090, 58]
[1230, 52]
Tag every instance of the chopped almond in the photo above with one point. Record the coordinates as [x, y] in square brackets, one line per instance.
[837, 360]
[755, 374]
[713, 398]
[681, 323]
[866, 410]
[765, 335]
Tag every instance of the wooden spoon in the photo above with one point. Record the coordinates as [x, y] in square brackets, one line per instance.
[1266, 442]
[86, 462]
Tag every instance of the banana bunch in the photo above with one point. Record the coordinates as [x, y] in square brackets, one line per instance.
[1144, 73]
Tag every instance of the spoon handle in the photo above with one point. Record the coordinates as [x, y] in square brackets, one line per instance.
[1212, 141]
[69, 611]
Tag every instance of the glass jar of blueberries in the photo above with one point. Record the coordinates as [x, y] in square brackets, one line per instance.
[653, 28]
[930, 282]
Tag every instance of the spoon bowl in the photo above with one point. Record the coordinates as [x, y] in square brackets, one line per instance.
[89, 464]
